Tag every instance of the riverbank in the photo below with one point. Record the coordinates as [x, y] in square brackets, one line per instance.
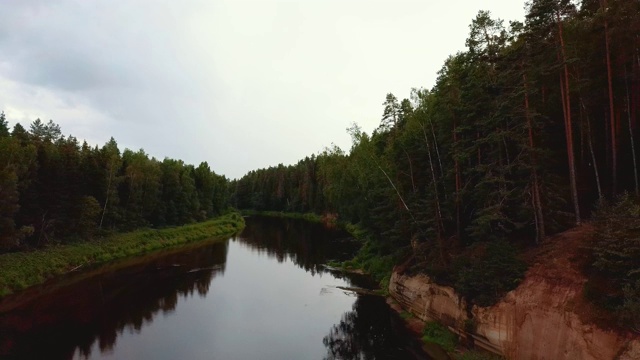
[368, 260]
[311, 217]
[437, 340]
[25, 269]
[546, 316]
[439, 344]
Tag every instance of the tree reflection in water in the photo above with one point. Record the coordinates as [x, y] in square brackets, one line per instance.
[69, 321]
[306, 244]
[370, 331]
[89, 315]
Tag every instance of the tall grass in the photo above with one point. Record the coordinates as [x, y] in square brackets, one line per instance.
[24, 269]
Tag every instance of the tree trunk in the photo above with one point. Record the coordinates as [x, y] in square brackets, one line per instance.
[413, 184]
[106, 200]
[582, 160]
[567, 123]
[633, 146]
[479, 153]
[537, 203]
[612, 121]
[439, 223]
[593, 155]
[396, 189]
[458, 180]
[435, 145]
[435, 184]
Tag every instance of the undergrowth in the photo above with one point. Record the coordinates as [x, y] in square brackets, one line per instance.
[614, 271]
[371, 257]
[437, 333]
[484, 278]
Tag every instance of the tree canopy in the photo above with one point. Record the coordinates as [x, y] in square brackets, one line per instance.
[521, 134]
[54, 189]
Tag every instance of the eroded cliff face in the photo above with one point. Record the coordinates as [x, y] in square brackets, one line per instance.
[543, 318]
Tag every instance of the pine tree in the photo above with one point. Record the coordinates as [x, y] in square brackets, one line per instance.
[4, 126]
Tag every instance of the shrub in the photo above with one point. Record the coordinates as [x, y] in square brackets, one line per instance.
[629, 312]
[373, 259]
[484, 279]
[437, 333]
[615, 252]
[406, 315]
[616, 247]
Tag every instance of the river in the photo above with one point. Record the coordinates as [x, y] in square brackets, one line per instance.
[263, 294]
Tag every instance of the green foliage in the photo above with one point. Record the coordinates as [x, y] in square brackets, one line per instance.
[392, 113]
[479, 158]
[41, 132]
[486, 276]
[14, 165]
[4, 125]
[406, 315]
[615, 252]
[23, 269]
[630, 309]
[371, 257]
[616, 248]
[375, 261]
[55, 190]
[479, 161]
[314, 218]
[437, 333]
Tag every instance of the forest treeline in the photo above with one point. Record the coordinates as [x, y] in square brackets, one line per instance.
[54, 189]
[522, 134]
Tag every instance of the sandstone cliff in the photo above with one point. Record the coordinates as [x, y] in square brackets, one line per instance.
[544, 318]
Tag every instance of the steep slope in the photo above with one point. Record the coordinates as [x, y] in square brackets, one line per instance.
[546, 317]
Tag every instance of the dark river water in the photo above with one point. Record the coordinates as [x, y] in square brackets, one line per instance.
[263, 294]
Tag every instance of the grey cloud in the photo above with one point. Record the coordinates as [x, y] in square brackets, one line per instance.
[240, 84]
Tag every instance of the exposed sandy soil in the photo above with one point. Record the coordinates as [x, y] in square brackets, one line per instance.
[546, 317]
[560, 261]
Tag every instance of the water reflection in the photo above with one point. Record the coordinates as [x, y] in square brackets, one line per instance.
[370, 331]
[227, 300]
[77, 316]
[306, 244]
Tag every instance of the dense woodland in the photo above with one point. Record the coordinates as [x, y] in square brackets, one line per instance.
[54, 189]
[523, 134]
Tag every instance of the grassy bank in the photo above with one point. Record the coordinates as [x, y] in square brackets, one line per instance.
[372, 260]
[21, 270]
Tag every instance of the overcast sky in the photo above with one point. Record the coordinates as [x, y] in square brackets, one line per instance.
[239, 84]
